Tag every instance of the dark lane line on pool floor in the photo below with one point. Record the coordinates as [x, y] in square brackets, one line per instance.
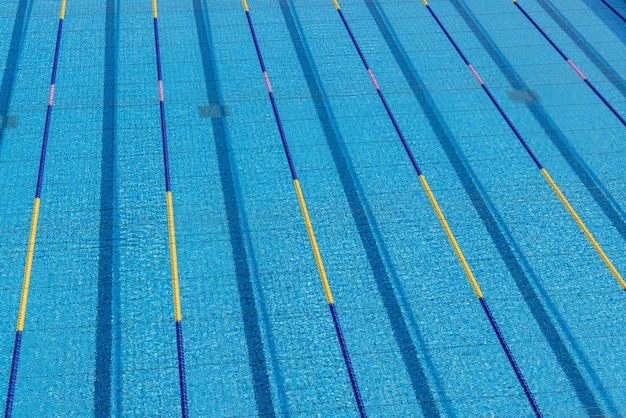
[592, 54]
[104, 309]
[502, 240]
[22, 17]
[510, 357]
[530, 153]
[570, 63]
[33, 226]
[351, 190]
[614, 10]
[252, 330]
[178, 318]
[318, 259]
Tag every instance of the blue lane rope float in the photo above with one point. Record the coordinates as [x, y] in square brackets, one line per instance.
[182, 379]
[571, 64]
[614, 10]
[33, 227]
[444, 223]
[307, 222]
[532, 155]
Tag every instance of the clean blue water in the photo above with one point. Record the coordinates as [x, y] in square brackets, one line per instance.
[99, 337]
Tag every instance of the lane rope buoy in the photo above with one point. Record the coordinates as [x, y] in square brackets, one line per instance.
[307, 221]
[33, 227]
[182, 377]
[457, 249]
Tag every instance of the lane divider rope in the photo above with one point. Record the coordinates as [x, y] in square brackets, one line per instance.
[444, 223]
[33, 227]
[182, 378]
[307, 222]
[570, 63]
[532, 155]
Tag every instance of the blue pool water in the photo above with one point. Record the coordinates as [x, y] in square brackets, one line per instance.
[99, 336]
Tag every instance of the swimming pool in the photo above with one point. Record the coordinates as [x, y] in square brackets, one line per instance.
[99, 337]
